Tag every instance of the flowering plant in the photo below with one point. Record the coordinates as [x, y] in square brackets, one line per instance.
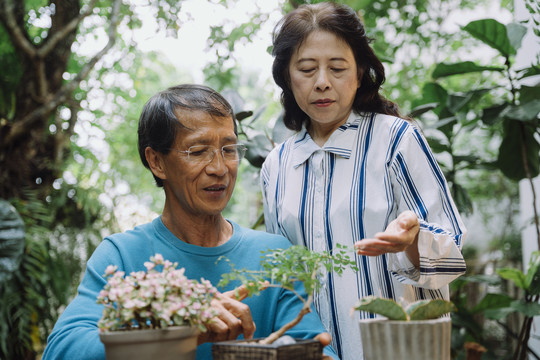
[154, 299]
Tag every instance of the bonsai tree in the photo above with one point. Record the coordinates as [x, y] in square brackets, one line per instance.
[284, 268]
[418, 310]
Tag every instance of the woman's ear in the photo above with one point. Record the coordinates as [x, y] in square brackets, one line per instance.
[156, 162]
[360, 76]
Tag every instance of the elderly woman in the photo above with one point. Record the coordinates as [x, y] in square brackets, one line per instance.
[355, 173]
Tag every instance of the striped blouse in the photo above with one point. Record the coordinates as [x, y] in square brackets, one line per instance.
[371, 169]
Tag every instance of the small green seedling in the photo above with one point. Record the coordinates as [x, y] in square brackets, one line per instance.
[419, 310]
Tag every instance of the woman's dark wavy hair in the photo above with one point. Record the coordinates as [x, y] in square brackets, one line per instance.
[342, 21]
[158, 123]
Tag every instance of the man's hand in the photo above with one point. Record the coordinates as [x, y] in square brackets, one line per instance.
[234, 318]
[400, 235]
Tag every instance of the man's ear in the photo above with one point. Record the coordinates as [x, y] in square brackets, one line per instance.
[155, 162]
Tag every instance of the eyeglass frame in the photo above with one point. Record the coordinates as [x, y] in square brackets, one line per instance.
[241, 150]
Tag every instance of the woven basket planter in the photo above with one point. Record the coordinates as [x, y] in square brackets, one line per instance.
[383, 339]
[250, 350]
[173, 343]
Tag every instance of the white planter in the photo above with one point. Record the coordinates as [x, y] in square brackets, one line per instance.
[383, 339]
[173, 343]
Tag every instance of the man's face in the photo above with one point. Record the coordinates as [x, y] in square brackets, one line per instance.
[200, 189]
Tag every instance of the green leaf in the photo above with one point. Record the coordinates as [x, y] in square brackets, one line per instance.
[259, 146]
[493, 301]
[429, 309]
[529, 93]
[498, 314]
[465, 67]
[385, 307]
[510, 159]
[492, 33]
[514, 275]
[524, 112]
[529, 309]
[532, 278]
[422, 109]
[493, 114]
[516, 32]
[12, 233]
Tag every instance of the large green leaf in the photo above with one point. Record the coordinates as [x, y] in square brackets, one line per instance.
[442, 70]
[529, 309]
[493, 301]
[516, 32]
[12, 232]
[492, 33]
[510, 159]
[385, 307]
[524, 112]
[514, 275]
[532, 278]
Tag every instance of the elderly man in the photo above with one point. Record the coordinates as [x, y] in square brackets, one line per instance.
[188, 140]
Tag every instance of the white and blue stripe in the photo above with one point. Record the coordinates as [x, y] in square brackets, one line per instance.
[371, 169]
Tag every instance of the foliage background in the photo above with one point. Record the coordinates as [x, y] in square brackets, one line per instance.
[93, 184]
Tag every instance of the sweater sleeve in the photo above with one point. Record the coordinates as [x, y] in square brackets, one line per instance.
[421, 187]
[75, 334]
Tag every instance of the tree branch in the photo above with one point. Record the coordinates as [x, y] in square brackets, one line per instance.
[17, 34]
[20, 127]
[68, 28]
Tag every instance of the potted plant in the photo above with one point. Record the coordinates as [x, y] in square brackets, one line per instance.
[415, 331]
[157, 313]
[283, 268]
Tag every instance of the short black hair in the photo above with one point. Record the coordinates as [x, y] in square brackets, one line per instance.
[158, 124]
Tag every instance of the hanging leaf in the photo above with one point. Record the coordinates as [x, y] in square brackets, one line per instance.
[422, 109]
[529, 93]
[12, 234]
[524, 112]
[514, 275]
[516, 32]
[532, 278]
[510, 159]
[492, 33]
[259, 146]
[494, 114]
[465, 67]
[493, 301]
[529, 309]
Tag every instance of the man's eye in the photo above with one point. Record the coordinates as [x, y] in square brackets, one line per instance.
[201, 152]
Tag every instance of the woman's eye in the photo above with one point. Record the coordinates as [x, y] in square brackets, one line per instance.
[306, 71]
[337, 70]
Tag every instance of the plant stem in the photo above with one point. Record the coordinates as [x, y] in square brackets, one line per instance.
[277, 334]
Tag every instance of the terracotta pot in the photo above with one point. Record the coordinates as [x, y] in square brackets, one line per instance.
[176, 342]
[250, 350]
[383, 339]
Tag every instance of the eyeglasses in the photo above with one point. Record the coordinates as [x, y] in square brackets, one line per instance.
[204, 154]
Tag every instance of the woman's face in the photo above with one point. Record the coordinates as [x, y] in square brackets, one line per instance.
[324, 80]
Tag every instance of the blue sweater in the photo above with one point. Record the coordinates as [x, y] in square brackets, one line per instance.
[75, 335]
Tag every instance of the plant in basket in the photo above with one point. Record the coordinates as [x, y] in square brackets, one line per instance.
[147, 310]
[291, 269]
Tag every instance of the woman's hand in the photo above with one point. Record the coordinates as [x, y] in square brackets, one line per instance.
[400, 235]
